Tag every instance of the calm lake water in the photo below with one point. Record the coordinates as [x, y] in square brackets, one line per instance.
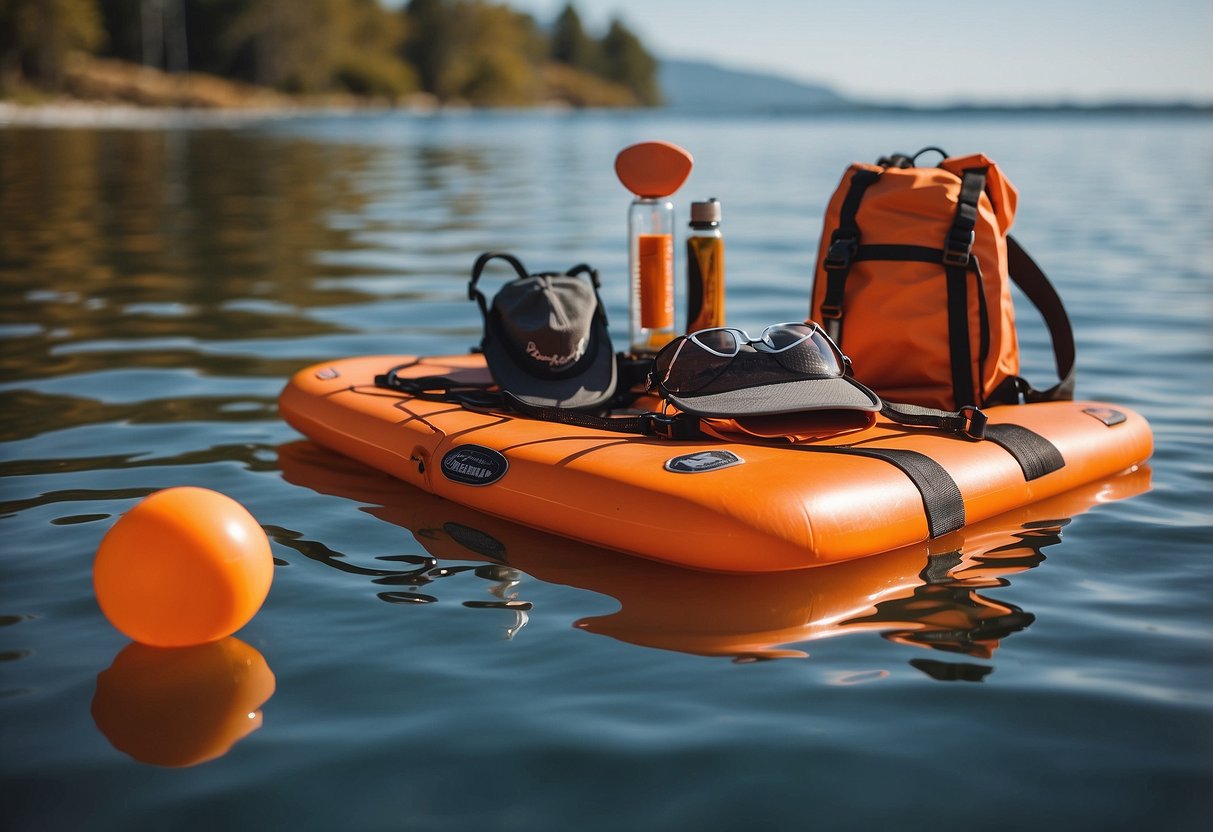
[161, 283]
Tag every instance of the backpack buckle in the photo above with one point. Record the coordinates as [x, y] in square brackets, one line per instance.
[959, 247]
[660, 425]
[841, 252]
[975, 422]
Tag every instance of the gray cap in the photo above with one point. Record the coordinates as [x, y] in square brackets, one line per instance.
[705, 212]
[546, 342]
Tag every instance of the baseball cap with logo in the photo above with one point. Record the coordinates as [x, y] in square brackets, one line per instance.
[546, 338]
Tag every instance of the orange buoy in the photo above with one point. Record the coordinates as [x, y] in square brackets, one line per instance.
[185, 566]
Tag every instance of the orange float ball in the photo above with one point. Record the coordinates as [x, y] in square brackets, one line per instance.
[185, 566]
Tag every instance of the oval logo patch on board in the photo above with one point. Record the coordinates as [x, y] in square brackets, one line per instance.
[1109, 416]
[697, 463]
[474, 465]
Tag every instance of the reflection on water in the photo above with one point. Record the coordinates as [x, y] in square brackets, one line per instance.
[182, 706]
[169, 243]
[928, 595]
[425, 570]
[109, 237]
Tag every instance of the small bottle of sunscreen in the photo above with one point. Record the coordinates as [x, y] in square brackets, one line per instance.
[705, 267]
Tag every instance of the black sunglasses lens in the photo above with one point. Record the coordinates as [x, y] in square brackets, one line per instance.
[717, 340]
[814, 356]
[684, 366]
[781, 337]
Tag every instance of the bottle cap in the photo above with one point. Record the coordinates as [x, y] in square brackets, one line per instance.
[705, 212]
[653, 169]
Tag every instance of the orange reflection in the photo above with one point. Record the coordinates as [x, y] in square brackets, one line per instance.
[925, 595]
[182, 706]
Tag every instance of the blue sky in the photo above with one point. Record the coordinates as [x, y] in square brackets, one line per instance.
[937, 51]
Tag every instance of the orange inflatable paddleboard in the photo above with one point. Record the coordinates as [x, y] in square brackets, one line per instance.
[705, 504]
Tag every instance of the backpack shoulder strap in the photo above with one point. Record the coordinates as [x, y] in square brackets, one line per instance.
[957, 254]
[844, 243]
[1037, 288]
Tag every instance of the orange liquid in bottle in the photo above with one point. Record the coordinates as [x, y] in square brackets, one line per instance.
[656, 262]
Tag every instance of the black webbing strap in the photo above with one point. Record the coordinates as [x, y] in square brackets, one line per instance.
[983, 316]
[963, 392]
[969, 422]
[898, 251]
[1036, 455]
[666, 426]
[1037, 288]
[473, 396]
[841, 253]
[942, 502]
[958, 251]
[959, 244]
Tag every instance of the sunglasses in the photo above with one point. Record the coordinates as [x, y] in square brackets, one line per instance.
[692, 362]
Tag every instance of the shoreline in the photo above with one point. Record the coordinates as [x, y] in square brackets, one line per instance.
[82, 113]
[106, 93]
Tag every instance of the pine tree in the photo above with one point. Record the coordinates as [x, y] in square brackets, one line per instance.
[475, 51]
[625, 61]
[430, 40]
[570, 44]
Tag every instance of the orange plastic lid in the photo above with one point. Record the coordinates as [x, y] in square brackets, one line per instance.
[653, 169]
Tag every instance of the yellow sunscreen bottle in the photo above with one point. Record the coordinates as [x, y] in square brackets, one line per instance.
[705, 267]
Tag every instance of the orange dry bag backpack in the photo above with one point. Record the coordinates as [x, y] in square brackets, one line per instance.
[913, 283]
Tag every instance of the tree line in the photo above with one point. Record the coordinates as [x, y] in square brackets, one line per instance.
[475, 51]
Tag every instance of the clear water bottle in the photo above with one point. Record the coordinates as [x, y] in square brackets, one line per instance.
[651, 259]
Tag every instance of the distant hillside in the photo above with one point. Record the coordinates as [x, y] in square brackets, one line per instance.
[702, 87]
[694, 86]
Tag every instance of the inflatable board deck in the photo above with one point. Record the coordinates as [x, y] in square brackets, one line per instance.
[706, 504]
